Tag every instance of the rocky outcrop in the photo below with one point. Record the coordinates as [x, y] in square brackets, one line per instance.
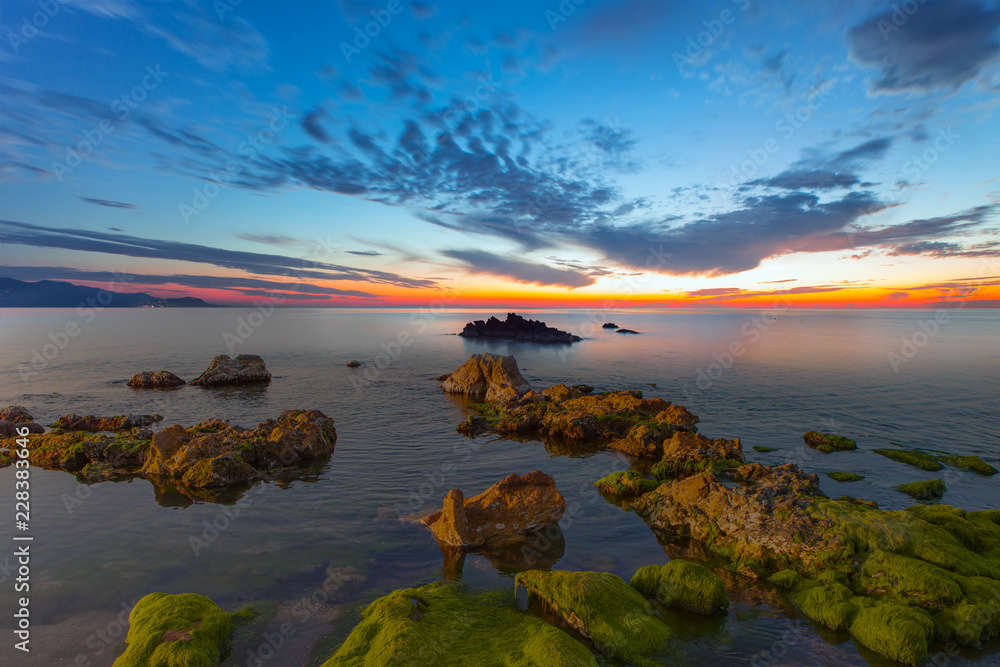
[490, 376]
[686, 453]
[684, 585]
[154, 380]
[183, 629]
[504, 514]
[213, 454]
[353, 363]
[91, 455]
[244, 369]
[626, 331]
[609, 325]
[518, 329]
[93, 424]
[14, 417]
[828, 443]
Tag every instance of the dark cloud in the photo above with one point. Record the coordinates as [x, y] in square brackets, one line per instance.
[201, 282]
[423, 11]
[312, 123]
[480, 261]
[827, 172]
[939, 46]
[20, 233]
[108, 203]
[270, 239]
[365, 253]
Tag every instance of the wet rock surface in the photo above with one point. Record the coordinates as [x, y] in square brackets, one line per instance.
[244, 369]
[154, 380]
[518, 329]
[489, 376]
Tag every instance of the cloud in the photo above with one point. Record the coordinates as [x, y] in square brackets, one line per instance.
[827, 172]
[259, 263]
[108, 203]
[939, 46]
[270, 239]
[423, 11]
[365, 253]
[312, 123]
[480, 261]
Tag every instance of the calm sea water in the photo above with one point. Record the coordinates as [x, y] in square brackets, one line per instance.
[99, 548]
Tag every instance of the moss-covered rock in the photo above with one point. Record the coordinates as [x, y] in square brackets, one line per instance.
[973, 463]
[625, 484]
[602, 607]
[895, 631]
[445, 624]
[828, 443]
[763, 450]
[683, 584]
[845, 476]
[927, 489]
[186, 630]
[910, 457]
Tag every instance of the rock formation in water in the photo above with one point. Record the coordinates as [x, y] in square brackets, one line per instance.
[489, 376]
[154, 380]
[182, 629]
[244, 369]
[517, 328]
[627, 331]
[503, 514]
[93, 424]
[14, 417]
[609, 325]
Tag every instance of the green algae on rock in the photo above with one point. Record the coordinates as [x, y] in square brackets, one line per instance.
[446, 624]
[185, 630]
[683, 584]
[972, 463]
[763, 450]
[602, 607]
[845, 476]
[625, 484]
[928, 489]
[827, 443]
[910, 457]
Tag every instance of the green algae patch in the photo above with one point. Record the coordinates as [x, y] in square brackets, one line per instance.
[683, 584]
[185, 630]
[895, 631]
[673, 468]
[928, 489]
[763, 450]
[909, 580]
[601, 606]
[446, 624]
[845, 476]
[625, 484]
[909, 457]
[972, 463]
[828, 443]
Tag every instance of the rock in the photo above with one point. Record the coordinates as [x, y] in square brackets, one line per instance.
[601, 607]
[353, 363]
[973, 463]
[929, 489]
[16, 414]
[443, 377]
[583, 388]
[683, 584]
[93, 424]
[87, 453]
[9, 429]
[687, 453]
[845, 476]
[913, 458]
[184, 629]
[827, 443]
[626, 331]
[609, 325]
[213, 454]
[446, 624]
[626, 484]
[516, 328]
[503, 514]
[490, 376]
[154, 380]
[245, 368]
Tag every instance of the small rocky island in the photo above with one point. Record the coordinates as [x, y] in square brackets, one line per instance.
[518, 329]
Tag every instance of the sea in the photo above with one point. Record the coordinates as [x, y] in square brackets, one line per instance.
[314, 545]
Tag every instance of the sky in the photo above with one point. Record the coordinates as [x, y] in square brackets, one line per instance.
[730, 153]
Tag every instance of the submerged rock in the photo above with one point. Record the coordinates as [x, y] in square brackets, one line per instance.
[184, 629]
[245, 368]
[490, 376]
[928, 489]
[625, 484]
[626, 331]
[516, 328]
[93, 424]
[828, 443]
[683, 584]
[353, 363]
[972, 463]
[910, 457]
[154, 380]
[601, 607]
[503, 514]
[845, 476]
[446, 624]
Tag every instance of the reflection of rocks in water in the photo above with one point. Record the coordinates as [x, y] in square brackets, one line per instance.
[539, 551]
[172, 496]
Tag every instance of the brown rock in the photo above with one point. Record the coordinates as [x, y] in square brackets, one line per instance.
[93, 424]
[16, 414]
[491, 376]
[154, 380]
[504, 514]
[245, 368]
[8, 429]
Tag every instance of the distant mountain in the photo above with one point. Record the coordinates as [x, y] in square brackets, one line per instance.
[57, 294]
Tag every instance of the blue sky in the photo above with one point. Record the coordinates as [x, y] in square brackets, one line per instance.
[539, 151]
